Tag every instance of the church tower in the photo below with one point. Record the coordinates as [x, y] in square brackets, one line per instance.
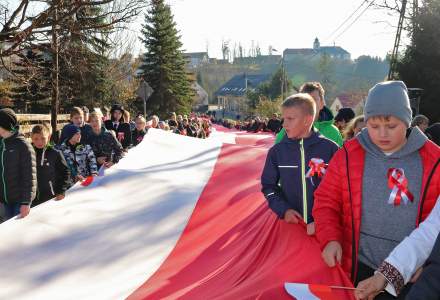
[316, 44]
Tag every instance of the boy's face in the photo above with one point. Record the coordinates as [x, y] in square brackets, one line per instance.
[4, 133]
[40, 140]
[140, 124]
[389, 134]
[95, 123]
[341, 125]
[77, 120]
[296, 123]
[423, 126]
[117, 115]
[75, 139]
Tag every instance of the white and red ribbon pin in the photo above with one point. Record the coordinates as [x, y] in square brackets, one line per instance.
[317, 167]
[399, 185]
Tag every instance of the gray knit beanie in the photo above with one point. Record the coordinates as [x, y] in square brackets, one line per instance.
[389, 98]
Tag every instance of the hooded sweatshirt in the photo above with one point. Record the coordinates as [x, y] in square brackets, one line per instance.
[324, 125]
[385, 225]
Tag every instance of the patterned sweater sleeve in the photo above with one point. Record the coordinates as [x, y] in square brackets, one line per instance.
[93, 166]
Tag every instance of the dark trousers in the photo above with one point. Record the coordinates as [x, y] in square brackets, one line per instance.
[11, 210]
[365, 272]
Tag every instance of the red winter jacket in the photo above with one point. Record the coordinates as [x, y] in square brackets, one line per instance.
[338, 199]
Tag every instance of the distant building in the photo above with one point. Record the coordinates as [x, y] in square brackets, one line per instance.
[232, 96]
[355, 101]
[196, 59]
[317, 50]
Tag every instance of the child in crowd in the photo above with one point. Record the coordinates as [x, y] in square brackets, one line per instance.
[343, 117]
[298, 163]
[107, 149]
[53, 175]
[324, 117]
[354, 127]
[154, 121]
[172, 122]
[378, 187]
[137, 135]
[77, 119]
[127, 119]
[118, 124]
[420, 121]
[79, 157]
[17, 167]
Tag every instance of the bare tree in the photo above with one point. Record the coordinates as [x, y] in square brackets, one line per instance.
[57, 26]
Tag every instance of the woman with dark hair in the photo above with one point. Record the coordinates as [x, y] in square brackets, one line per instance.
[119, 126]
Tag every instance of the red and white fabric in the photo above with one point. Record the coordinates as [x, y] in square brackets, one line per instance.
[177, 218]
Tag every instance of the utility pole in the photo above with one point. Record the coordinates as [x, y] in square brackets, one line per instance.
[282, 78]
[394, 55]
[55, 102]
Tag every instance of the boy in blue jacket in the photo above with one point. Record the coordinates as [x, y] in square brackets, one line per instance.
[295, 166]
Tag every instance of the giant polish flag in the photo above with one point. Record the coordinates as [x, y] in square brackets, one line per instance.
[177, 218]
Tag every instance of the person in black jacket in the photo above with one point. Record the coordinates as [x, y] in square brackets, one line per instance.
[105, 146]
[119, 126]
[18, 172]
[137, 135]
[274, 124]
[53, 175]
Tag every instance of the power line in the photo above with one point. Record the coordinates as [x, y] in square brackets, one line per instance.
[355, 20]
[346, 20]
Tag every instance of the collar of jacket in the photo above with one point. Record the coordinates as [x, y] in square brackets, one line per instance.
[312, 139]
[325, 116]
[103, 130]
[14, 135]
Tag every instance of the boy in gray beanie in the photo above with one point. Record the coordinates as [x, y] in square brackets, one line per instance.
[389, 98]
[377, 188]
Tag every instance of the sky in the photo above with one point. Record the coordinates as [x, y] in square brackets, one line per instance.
[203, 24]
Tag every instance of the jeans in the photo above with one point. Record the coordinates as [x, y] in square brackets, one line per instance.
[11, 210]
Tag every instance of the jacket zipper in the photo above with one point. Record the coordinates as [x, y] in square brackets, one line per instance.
[303, 180]
[3, 171]
[422, 200]
[42, 156]
[51, 188]
[354, 245]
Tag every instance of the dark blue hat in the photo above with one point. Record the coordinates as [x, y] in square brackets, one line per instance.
[70, 130]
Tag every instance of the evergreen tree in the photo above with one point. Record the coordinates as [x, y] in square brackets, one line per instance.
[32, 82]
[163, 65]
[83, 64]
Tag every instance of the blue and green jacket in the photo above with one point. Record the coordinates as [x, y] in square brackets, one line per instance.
[284, 181]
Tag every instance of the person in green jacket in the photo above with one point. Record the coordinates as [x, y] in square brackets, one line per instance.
[324, 117]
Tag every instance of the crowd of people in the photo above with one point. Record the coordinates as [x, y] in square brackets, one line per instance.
[367, 187]
[46, 168]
